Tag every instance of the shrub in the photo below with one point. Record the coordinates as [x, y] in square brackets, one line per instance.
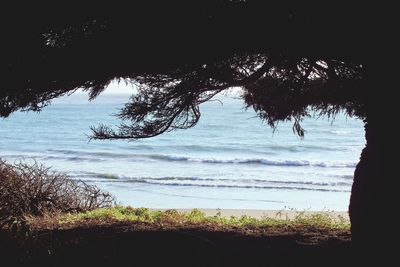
[33, 189]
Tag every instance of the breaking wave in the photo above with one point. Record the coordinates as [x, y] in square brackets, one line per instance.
[224, 182]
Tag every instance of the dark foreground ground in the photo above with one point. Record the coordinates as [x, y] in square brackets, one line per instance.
[115, 243]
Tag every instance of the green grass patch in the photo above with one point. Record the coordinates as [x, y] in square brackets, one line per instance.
[122, 213]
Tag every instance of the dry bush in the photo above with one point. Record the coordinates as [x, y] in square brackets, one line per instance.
[33, 189]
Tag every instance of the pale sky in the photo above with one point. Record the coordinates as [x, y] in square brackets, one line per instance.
[121, 88]
[115, 88]
[129, 89]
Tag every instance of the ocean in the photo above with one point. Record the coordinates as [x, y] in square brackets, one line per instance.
[231, 159]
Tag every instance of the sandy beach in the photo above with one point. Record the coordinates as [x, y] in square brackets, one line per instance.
[279, 214]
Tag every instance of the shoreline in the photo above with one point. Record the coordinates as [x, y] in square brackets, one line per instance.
[258, 214]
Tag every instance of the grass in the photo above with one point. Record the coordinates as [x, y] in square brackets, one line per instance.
[119, 235]
[173, 217]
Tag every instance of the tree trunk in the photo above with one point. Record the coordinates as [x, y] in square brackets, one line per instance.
[370, 209]
[366, 176]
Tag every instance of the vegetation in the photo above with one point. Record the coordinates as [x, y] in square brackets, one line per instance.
[122, 236]
[287, 56]
[249, 44]
[35, 190]
[174, 217]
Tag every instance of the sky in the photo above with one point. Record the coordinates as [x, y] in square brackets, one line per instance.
[123, 88]
[116, 88]
[120, 88]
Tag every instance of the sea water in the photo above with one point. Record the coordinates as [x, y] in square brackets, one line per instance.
[230, 159]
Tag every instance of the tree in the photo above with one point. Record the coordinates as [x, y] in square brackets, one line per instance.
[291, 58]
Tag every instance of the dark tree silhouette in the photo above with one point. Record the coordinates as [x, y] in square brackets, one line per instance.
[291, 58]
